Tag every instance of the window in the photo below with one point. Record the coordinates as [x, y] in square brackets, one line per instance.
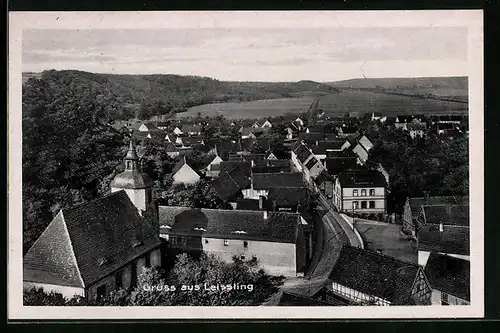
[245, 244]
[372, 192]
[372, 204]
[206, 241]
[355, 193]
[363, 193]
[147, 260]
[355, 205]
[444, 299]
[129, 165]
[226, 242]
[101, 291]
[254, 258]
[119, 280]
[363, 205]
[242, 257]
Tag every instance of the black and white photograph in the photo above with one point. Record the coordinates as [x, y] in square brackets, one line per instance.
[245, 165]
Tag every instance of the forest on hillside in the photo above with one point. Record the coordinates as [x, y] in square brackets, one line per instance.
[142, 96]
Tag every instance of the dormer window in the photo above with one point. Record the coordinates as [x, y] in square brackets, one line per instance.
[129, 165]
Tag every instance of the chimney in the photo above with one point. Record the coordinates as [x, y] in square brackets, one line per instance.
[441, 227]
[265, 214]
[261, 202]
[426, 194]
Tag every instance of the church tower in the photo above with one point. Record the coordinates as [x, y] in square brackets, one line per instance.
[136, 184]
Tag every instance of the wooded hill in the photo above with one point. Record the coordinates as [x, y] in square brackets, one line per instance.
[143, 96]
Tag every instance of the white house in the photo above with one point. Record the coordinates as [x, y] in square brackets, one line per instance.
[184, 174]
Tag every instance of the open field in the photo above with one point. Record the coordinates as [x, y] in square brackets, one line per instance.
[254, 109]
[363, 102]
[387, 237]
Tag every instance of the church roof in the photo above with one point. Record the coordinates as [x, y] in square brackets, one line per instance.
[131, 179]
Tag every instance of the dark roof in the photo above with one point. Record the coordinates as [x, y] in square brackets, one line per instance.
[349, 129]
[303, 153]
[192, 140]
[224, 148]
[322, 177]
[448, 274]
[247, 204]
[262, 181]
[170, 147]
[248, 130]
[311, 137]
[247, 157]
[179, 164]
[80, 237]
[150, 126]
[244, 166]
[264, 143]
[446, 126]
[340, 164]
[362, 178]
[312, 162]
[447, 214]
[240, 177]
[323, 146]
[374, 274]
[289, 196]
[226, 187]
[453, 239]
[417, 203]
[271, 166]
[404, 119]
[232, 224]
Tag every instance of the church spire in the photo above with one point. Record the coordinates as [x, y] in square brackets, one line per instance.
[131, 158]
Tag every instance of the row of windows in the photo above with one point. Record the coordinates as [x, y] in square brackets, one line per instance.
[226, 243]
[363, 193]
[364, 204]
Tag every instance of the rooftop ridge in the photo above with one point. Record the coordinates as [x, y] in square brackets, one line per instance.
[93, 200]
[371, 252]
[232, 210]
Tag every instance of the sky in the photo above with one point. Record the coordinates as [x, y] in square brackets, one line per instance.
[247, 53]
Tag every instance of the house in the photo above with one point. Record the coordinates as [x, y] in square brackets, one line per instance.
[224, 148]
[178, 131]
[182, 173]
[361, 152]
[190, 141]
[271, 166]
[412, 208]
[266, 125]
[171, 150]
[276, 240]
[324, 183]
[449, 278]
[300, 154]
[170, 137]
[452, 240]
[361, 191]
[162, 125]
[443, 214]
[403, 121]
[250, 132]
[92, 249]
[289, 198]
[321, 148]
[191, 130]
[416, 130]
[365, 142]
[299, 122]
[338, 162]
[347, 130]
[311, 138]
[244, 166]
[256, 125]
[252, 158]
[363, 277]
[271, 156]
[250, 204]
[147, 127]
[262, 182]
[229, 185]
[312, 168]
[213, 168]
[447, 128]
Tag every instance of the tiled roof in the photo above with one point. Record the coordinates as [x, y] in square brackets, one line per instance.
[228, 166]
[417, 203]
[312, 162]
[232, 224]
[322, 177]
[225, 148]
[179, 164]
[272, 168]
[289, 196]
[448, 274]
[374, 274]
[192, 140]
[240, 177]
[225, 186]
[150, 126]
[311, 138]
[447, 214]
[264, 143]
[247, 204]
[303, 153]
[323, 146]
[338, 165]
[263, 181]
[247, 157]
[362, 178]
[349, 129]
[453, 239]
[247, 130]
[106, 228]
[170, 147]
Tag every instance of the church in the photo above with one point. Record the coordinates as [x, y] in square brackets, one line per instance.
[99, 246]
